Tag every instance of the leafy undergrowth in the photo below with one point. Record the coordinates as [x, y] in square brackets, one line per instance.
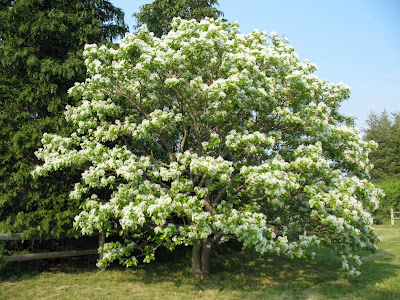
[235, 275]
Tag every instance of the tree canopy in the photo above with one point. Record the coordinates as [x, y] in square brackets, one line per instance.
[206, 135]
[158, 15]
[41, 46]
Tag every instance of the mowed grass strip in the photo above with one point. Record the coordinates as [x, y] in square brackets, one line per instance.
[235, 275]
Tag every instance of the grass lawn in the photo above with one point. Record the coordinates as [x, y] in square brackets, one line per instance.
[234, 276]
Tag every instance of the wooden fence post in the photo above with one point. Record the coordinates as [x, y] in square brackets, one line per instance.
[392, 215]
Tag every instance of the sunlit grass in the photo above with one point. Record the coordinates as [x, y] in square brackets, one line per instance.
[235, 275]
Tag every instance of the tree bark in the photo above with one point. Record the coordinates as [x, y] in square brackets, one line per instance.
[196, 259]
[205, 258]
[201, 254]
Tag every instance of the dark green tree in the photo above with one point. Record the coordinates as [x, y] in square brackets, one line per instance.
[384, 129]
[396, 142]
[159, 14]
[41, 46]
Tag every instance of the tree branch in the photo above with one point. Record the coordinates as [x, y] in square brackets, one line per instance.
[130, 99]
[183, 140]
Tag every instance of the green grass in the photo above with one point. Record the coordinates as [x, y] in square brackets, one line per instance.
[234, 276]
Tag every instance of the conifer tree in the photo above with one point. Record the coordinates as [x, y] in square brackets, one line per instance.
[41, 44]
[384, 129]
[158, 15]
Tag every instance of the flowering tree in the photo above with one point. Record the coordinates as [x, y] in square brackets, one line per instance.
[205, 135]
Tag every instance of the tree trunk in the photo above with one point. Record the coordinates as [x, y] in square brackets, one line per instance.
[196, 259]
[201, 258]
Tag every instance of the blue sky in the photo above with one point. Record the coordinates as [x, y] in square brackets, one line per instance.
[354, 41]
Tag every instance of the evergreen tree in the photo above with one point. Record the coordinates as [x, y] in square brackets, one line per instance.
[41, 46]
[385, 130]
[396, 143]
[159, 14]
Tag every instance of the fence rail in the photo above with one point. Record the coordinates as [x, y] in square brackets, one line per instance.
[13, 237]
[44, 255]
[34, 256]
[393, 215]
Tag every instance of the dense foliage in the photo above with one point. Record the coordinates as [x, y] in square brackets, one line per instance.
[391, 188]
[158, 15]
[206, 135]
[41, 45]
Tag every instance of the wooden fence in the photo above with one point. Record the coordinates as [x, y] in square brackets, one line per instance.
[393, 215]
[33, 256]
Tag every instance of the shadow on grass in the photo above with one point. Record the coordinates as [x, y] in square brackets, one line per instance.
[19, 271]
[274, 275]
[244, 272]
